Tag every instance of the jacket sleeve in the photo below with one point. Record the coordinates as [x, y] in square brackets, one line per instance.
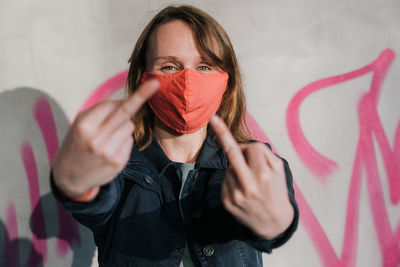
[267, 245]
[96, 213]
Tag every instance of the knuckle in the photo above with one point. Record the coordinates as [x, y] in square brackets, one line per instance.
[227, 203]
[117, 162]
[265, 176]
[266, 183]
[260, 146]
[93, 147]
[277, 162]
[110, 103]
[105, 155]
[255, 149]
[256, 145]
[229, 150]
[107, 103]
[80, 116]
[263, 173]
[124, 109]
[82, 129]
[251, 191]
[237, 198]
[225, 196]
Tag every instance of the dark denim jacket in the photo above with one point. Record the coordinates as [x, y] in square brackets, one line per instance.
[136, 219]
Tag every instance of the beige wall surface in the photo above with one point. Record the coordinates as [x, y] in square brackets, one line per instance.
[322, 80]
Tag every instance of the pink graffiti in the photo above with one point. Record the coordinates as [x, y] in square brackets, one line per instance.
[68, 234]
[365, 159]
[256, 132]
[321, 166]
[11, 246]
[34, 193]
[68, 228]
[106, 89]
[44, 118]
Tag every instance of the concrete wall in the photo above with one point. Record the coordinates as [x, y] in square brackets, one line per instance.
[322, 80]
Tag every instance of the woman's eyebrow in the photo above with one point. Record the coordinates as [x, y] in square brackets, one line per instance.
[166, 57]
[202, 60]
[207, 59]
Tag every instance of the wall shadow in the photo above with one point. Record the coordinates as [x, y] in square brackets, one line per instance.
[34, 229]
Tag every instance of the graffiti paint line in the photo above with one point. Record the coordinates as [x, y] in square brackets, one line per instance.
[106, 89]
[370, 126]
[68, 228]
[34, 194]
[11, 245]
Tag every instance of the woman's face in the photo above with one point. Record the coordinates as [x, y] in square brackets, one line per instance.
[172, 48]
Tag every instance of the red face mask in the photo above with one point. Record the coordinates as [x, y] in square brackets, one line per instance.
[187, 99]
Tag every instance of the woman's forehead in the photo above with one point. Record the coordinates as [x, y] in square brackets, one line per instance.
[174, 39]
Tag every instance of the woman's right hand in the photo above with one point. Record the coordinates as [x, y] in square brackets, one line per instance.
[98, 144]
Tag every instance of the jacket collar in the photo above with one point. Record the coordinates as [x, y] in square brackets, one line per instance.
[211, 156]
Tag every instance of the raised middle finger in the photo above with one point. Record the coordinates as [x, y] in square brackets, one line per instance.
[129, 107]
[232, 150]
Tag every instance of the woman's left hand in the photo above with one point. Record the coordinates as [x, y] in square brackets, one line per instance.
[254, 189]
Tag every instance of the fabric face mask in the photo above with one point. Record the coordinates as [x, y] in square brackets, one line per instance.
[187, 99]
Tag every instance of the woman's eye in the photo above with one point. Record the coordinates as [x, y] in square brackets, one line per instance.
[204, 68]
[169, 69]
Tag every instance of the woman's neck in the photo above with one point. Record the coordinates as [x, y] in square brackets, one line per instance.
[179, 147]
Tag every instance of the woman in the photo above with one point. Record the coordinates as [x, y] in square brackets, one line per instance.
[157, 178]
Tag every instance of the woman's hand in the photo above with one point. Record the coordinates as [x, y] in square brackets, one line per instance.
[254, 189]
[98, 144]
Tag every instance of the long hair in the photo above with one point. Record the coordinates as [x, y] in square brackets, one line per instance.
[206, 30]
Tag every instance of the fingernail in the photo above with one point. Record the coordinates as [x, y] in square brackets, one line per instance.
[213, 119]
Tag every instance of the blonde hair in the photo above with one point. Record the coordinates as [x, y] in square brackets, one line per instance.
[206, 30]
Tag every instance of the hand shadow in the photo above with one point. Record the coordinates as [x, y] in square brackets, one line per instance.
[61, 225]
[10, 249]
[32, 123]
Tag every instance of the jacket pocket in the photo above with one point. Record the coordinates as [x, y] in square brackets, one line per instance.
[142, 205]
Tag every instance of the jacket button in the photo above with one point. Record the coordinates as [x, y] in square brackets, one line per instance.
[208, 251]
[148, 179]
[196, 214]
